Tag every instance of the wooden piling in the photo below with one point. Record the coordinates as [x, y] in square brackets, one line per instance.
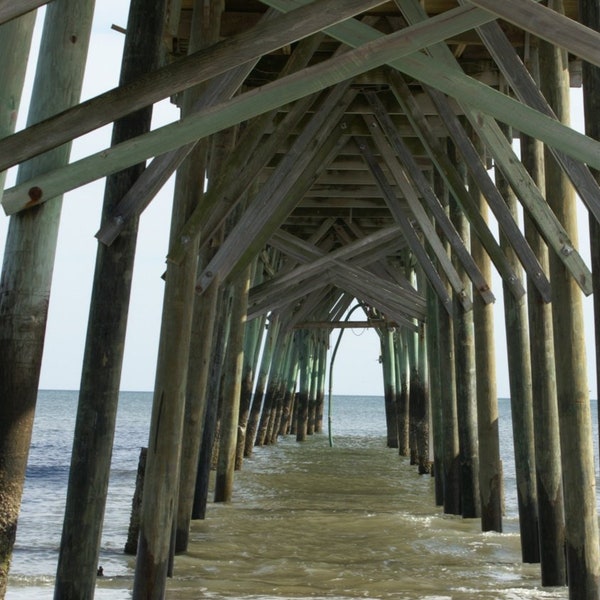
[232, 381]
[302, 413]
[589, 13]
[402, 400]
[545, 407]
[521, 401]
[464, 361]
[271, 335]
[31, 244]
[15, 42]
[581, 521]
[389, 385]
[490, 467]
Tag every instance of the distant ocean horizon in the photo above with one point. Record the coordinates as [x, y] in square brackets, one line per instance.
[294, 482]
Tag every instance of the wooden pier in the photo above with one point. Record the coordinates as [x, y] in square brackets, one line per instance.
[328, 153]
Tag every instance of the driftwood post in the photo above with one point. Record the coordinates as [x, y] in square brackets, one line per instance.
[490, 467]
[577, 457]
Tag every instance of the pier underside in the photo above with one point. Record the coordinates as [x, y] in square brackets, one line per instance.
[334, 153]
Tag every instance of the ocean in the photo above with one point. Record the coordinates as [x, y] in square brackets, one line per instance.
[306, 521]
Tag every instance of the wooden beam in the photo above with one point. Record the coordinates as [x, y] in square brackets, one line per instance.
[344, 324]
[455, 183]
[182, 74]
[412, 238]
[313, 79]
[528, 92]
[162, 167]
[274, 203]
[9, 9]
[548, 25]
[412, 169]
[530, 196]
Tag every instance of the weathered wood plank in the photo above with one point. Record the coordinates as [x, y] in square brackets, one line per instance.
[273, 202]
[412, 169]
[9, 9]
[528, 92]
[454, 182]
[411, 236]
[182, 74]
[380, 50]
[548, 25]
[162, 167]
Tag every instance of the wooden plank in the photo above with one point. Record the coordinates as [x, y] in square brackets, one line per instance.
[182, 74]
[162, 167]
[453, 180]
[530, 196]
[315, 78]
[273, 202]
[412, 169]
[528, 92]
[479, 95]
[345, 324]
[411, 236]
[494, 198]
[548, 25]
[9, 9]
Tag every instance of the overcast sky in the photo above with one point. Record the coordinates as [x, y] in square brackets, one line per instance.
[357, 367]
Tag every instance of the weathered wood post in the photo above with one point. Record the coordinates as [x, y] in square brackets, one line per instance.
[272, 388]
[388, 362]
[232, 388]
[271, 335]
[581, 520]
[15, 42]
[589, 14]
[252, 341]
[213, 388]
[521, 401]
[490, 467]
[435, 391]
[30, 251]
[15, 45]
[279, 393]
[302, 412]
[451, 462]
[543, 380]
[464, 361]
[290, 391]
[419, 393]
[402, 400]
[323, 344]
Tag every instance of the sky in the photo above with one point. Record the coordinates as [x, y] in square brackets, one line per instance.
[357, 370]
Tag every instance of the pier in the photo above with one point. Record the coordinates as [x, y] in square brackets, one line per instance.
[338, 164]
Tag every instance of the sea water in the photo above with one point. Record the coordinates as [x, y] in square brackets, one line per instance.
[307, 520]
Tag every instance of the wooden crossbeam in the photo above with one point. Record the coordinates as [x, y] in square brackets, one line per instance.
[9, 9]
[411, 236]
[512, 168]
[162, 167]
[455, 184]
[414, 172]
[548, 25]
[527, 91]
[186, 72]
[378, 51]
[274, 202]
[345, 324]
